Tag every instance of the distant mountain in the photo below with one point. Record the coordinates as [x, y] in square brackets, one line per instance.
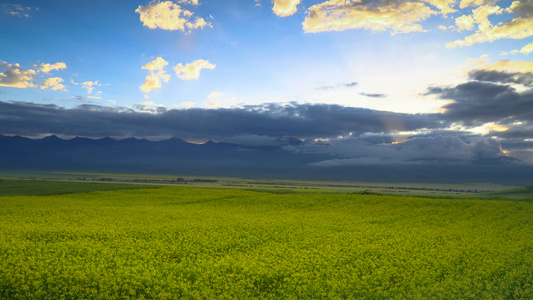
[283, 160]
[139, 155]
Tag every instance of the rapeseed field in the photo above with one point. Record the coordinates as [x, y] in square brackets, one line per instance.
[185, 243]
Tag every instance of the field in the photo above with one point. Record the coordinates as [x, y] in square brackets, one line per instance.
[188, 243]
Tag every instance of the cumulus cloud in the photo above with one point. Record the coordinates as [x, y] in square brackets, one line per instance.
[90, 86]
[13, 75]
[527, 49]
[157, 74]
[284, 8]
[53, 83]
[46, 68]
[519, 27]
[192, 70]
[169, 16]
[397, 16]
[465, 22]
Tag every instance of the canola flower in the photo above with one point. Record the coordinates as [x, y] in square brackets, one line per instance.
[185, 243]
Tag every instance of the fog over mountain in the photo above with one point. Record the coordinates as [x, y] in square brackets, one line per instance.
[433, 159]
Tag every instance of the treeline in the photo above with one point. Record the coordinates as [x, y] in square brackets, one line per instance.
[174, 181]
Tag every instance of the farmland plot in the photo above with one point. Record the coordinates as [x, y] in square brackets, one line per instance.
[184, 243]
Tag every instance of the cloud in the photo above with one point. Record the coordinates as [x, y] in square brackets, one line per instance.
[215, 95]
[192, 70]
[53, 83]
[397, 16]
[157, 74]
[481, 102]
[373, 95]
[425, 150]
[527, 49]
[284, 8]
[90, 86]
[18, 10]
[46, 68]
[465, 23]
[169, 16]
[298, 120]
[467, 3]
[329, 87]
[525, 79]
[519, 27]
[190, 2]
[14, 76]
[504, 65]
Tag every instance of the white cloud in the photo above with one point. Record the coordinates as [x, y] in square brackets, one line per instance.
[215, 95]
[157, 64]
[157, 74]
[519, 27]
[90, 86]
[284, 8]
[188, 104]
[46, 68]
[525, 50]
[190, 2]
[192, 70]
[169, 16]
[14, 76]
[337, 15]
[18, 10]
[53, 83]
[464, 23]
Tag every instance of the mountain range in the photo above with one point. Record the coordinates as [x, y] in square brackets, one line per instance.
[179, 157]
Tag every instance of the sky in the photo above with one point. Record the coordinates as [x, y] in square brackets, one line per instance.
[430, 79]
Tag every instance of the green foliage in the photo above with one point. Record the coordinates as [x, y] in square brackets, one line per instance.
[184, 243]
[521, 193]
[17, 187]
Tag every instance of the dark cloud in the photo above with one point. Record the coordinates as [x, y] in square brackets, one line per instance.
[373, 95]
[351, 84]
[480, 102]
[502, 77]
[516, 131]
[517, 144]
[298, 120]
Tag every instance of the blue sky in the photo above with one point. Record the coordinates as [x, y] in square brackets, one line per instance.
[411, 57]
